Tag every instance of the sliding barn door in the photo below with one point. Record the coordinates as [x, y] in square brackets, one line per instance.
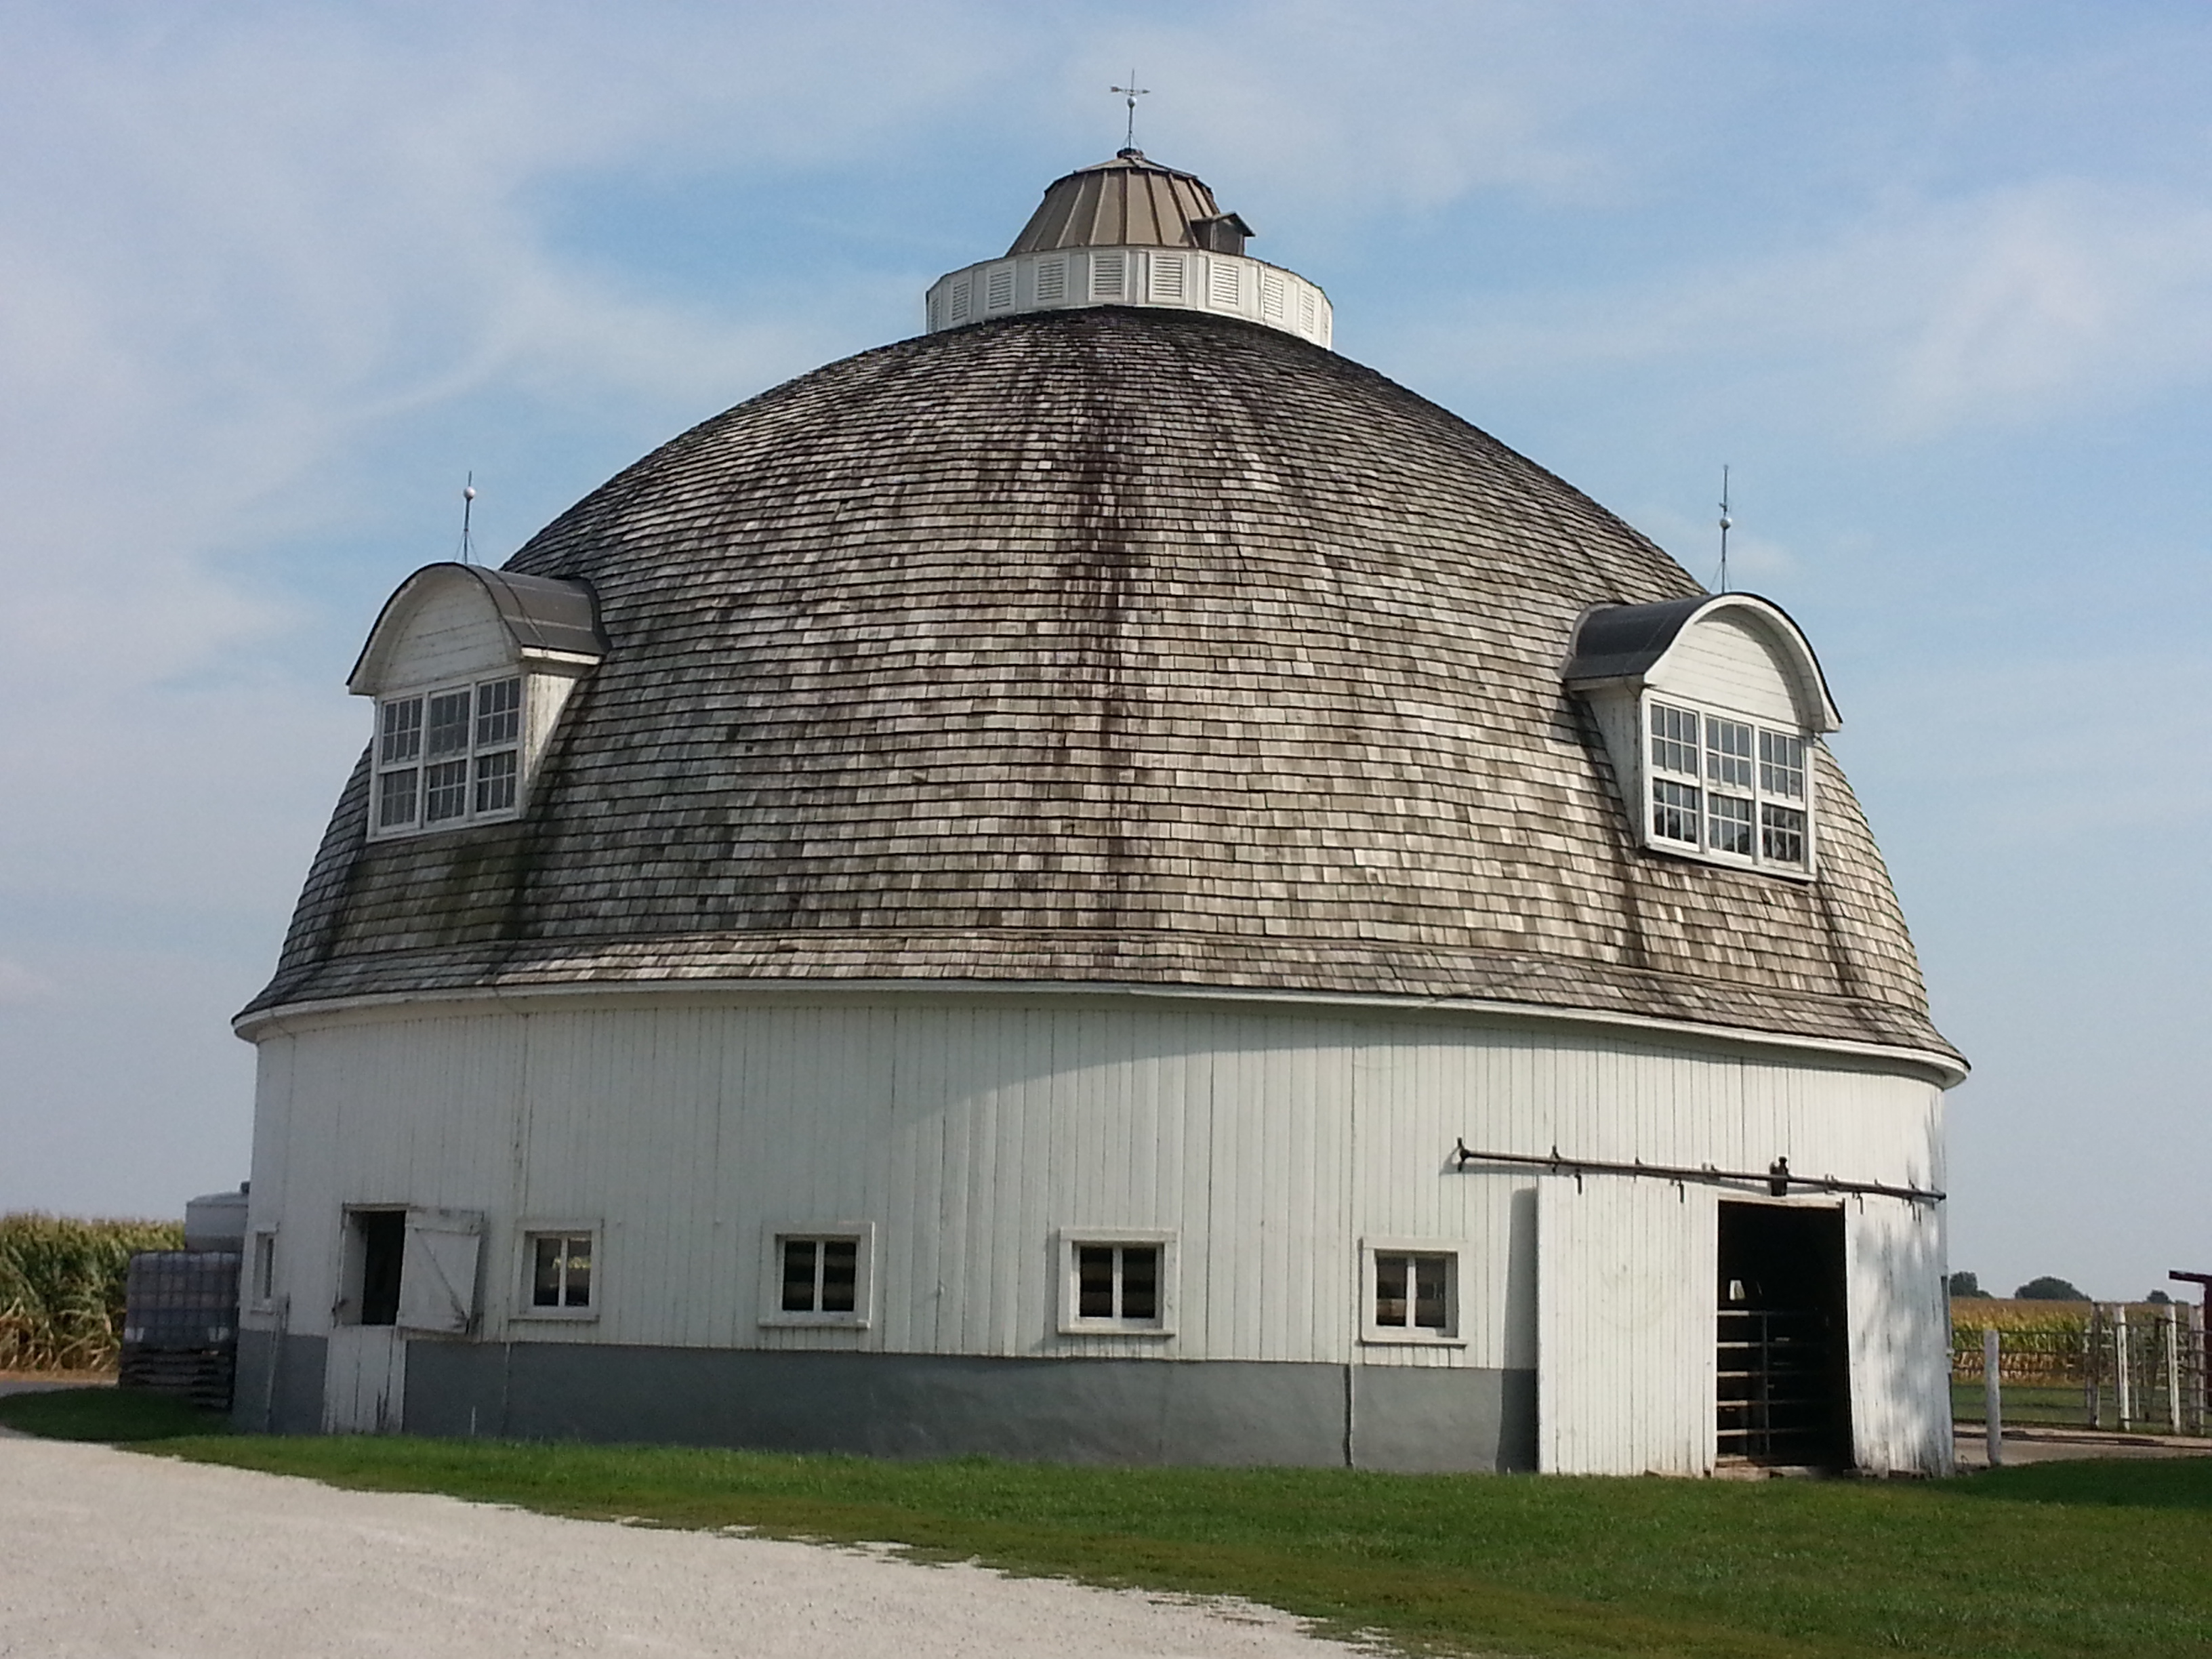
[1626, 1295]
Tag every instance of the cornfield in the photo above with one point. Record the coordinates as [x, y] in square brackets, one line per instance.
[61, 1288]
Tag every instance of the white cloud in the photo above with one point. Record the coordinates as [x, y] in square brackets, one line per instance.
[1992, 310]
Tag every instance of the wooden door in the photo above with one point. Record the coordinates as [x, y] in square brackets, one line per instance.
[1625, 1326]
[364, 1379]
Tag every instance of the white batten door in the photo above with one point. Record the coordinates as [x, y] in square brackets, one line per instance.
[1626, 1297]
[438, 1271]
[364, 1379]
[1900, 1336]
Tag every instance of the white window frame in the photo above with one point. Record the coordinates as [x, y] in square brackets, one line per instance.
[1067, 1240]
[261, 1269]
[1756, 791]
[471, 756]
[1454, 1253]
[776, 1235]
[526, 1275]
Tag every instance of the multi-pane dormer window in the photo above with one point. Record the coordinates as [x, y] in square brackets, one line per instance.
[469, 669]
[1708, 706]
[448, 756]
[1728, 788]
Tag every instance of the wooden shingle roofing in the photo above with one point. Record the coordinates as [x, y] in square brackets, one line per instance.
[1100, 647]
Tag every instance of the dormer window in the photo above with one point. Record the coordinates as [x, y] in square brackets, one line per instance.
[471, 669]
[1708, 708]
[1727, 786]
[449, 757]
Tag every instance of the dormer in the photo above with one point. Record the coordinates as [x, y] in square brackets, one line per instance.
[1709, 708]
[470, 669]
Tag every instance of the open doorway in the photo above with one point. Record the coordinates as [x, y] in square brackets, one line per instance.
[365, 1357]
[376, 1245]
[1785, 1395]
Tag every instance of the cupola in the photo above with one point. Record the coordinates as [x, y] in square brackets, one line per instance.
[1131, 232]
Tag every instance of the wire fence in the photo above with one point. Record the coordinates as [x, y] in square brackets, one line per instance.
[2127, 1366]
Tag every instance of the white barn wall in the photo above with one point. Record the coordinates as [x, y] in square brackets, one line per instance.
[971, 1130]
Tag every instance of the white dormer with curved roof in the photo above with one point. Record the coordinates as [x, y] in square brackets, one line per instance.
[469, 669]
[1130, 232]
[1709, 708]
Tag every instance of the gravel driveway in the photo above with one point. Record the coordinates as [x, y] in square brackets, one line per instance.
[119, 1555]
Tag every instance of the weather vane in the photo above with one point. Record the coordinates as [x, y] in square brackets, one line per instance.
[1132, 91]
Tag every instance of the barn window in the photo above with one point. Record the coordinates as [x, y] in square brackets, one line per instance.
[1410, 1291]
[261, 1284]
[560, 1273]
[1118, 1282]
[1709, 707]
[448, 756]
[1727, 786]
[818, 1275]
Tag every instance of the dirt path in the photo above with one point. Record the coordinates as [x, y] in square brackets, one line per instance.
[119, 1555]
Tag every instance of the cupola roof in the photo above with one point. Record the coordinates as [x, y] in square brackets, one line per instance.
[1131, 201]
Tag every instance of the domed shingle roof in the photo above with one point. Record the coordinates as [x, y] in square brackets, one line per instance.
[1110, 648]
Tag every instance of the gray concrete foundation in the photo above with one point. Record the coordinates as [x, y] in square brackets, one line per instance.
[1069, 1411]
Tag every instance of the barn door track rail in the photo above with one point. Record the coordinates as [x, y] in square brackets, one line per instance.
[1779, 1180]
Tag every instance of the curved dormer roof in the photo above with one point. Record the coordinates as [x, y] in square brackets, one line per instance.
[1616, 644]
[545, 619]
[1130, 201]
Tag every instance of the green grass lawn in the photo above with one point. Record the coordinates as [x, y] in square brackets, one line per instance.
[2065, 1560]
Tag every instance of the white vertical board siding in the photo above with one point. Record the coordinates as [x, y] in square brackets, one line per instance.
[1899, 1337]
[970, 1130]
[1624, 1322]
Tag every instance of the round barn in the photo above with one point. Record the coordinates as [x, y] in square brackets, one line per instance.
[1102, 884]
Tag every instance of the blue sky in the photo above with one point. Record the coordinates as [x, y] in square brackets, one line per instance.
[1935, 281]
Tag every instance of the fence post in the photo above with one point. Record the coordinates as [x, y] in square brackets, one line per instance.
[2121, 1380]
[2093, 1363]
[1992, 1398]
[2173, 1365]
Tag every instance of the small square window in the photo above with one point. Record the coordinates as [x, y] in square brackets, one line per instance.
[1410, 1288]
[560, 1272]
[1727, 754]
[1673, 739]
[499, 712]
[402, 731]
[496, 781]
[1674, 811]
[1781, 765]
[1122, 1282]
[445, 790]
[1728, 824]
[395, 798]
[1781, 834]
[448, 731]
[818, 1275]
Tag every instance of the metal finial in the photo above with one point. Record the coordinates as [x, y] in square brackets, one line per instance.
[1727, 524]
[1132, 91]
[468, 509]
